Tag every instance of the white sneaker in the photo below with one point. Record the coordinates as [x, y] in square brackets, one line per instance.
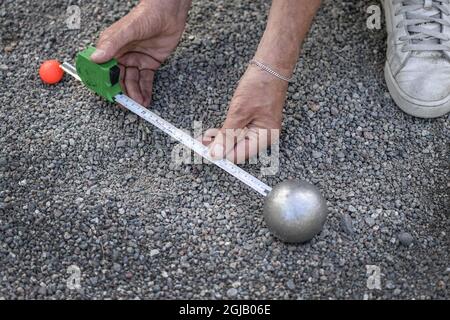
[417, 69]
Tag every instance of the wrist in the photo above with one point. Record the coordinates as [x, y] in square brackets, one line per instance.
[269, 70]
[276, 64]
[281, 56]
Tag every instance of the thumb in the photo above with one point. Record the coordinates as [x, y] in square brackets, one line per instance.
[232, 132]
[104, 52]
[115, 37]
[108, 46]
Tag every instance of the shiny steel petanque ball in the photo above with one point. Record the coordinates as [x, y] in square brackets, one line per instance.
[295, 211]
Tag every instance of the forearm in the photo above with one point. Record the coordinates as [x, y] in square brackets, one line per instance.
[288, 24]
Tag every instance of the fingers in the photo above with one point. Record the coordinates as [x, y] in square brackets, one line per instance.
[233, 131]
[139, 60]
[218, 136]
[132, 86]
[137, 84]
[256, 141]
[247, 143]
[222, 137]
[114, 38]
[110, 43]
[146, 66]
[225, 141]
[246, 148]
[208, 136]
[146, 77]
[123, 71]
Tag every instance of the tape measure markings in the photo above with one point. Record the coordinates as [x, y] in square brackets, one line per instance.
[182, 137]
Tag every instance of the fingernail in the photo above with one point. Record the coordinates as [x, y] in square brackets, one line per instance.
[98, 54]
[216, 152]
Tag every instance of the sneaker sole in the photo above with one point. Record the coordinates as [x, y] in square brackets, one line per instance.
[414, 107]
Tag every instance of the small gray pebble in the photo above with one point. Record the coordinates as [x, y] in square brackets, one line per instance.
[334, 111]
[42, 290]
[154, 252]
[121, 143]
[232, 292]
[290, 284]
[117, 267]
[317, 154]
[370, 221]
[368, 135]
[347, 224]
[405, 238]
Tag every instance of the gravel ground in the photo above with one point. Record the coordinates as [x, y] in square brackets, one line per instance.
[88, 185]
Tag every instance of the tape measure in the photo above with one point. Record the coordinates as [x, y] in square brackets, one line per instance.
[103, 79]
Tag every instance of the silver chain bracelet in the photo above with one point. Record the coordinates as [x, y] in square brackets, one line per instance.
[269, 70]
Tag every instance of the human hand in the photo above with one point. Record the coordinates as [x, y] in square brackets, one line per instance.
[253, 120]
[141, 41]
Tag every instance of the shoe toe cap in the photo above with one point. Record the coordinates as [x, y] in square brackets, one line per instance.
[426, 80]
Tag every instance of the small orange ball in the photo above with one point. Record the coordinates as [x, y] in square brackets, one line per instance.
[51, 72]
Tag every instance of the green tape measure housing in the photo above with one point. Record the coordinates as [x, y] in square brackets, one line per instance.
[102, 78]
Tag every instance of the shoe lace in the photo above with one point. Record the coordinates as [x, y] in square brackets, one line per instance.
[425, 22]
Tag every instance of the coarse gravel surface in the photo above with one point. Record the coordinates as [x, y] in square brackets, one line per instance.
[88, 185]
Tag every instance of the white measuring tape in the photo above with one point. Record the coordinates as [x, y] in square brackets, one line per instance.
[182, 137]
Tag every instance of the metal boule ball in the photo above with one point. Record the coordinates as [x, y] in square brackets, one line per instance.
[295, 211]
